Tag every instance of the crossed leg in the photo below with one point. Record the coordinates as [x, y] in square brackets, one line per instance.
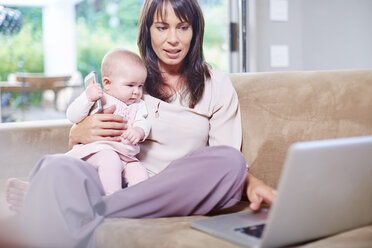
[208, 179]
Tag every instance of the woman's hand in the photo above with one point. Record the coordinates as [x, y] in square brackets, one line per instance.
[258, 192]
[105, 126]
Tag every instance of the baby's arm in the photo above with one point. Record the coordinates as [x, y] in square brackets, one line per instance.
[79, 108]
[141, 126]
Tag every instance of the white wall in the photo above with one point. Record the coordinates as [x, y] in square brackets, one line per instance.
[337, 34]
[274, 33]
[320, 35]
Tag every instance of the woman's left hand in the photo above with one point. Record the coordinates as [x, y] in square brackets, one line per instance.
[258, 192]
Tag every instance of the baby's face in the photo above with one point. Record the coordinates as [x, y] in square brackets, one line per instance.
[127, 85]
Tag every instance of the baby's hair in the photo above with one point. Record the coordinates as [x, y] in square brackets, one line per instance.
[109, 61]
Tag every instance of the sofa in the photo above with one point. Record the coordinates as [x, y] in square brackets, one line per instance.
[278, 109]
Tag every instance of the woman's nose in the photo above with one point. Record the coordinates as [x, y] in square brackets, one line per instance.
[172, 36]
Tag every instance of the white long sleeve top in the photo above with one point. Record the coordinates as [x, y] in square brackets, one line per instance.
[177, 130]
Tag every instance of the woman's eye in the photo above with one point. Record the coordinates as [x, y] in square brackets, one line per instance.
[184, 28]
[160, 28]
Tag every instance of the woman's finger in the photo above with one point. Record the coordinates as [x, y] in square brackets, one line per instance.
[107, 132]
[267, 194]
[255, 205]
[109, 117]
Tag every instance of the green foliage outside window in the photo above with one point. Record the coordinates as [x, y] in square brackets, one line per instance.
[103, 27]
[100, 26]
[22, 52]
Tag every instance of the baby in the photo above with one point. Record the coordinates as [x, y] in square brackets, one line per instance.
[123, 77]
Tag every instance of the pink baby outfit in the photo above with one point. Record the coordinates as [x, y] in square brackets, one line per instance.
[135, 114]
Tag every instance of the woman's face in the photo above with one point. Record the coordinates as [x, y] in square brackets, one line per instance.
[170, 39]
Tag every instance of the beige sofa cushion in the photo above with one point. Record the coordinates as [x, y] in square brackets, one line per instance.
[280, 108]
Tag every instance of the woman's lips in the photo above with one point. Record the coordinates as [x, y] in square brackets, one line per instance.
[173, 54]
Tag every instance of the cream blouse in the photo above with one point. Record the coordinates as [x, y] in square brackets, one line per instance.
[178, 130]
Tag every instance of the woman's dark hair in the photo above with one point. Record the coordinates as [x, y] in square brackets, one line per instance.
[195, 70]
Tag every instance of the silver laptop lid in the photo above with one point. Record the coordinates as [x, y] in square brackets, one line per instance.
[325, 188]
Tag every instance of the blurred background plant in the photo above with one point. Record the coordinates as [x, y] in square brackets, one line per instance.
[101, 25]
[23, 52]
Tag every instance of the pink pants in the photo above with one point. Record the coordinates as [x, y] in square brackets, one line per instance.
[111, 169]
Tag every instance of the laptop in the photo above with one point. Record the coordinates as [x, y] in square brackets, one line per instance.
[325, 188]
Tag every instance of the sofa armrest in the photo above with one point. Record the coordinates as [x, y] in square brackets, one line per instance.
[24, 143]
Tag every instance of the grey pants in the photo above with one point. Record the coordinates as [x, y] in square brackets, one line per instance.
[65, 202]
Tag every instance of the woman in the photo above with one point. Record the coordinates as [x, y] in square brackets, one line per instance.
[192, 151]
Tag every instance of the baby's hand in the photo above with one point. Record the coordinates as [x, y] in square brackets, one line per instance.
[94, 92]
[134, 135]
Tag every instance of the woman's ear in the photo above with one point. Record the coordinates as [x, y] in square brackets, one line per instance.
[106, 83]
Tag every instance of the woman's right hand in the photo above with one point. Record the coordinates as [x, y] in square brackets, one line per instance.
[103, 126]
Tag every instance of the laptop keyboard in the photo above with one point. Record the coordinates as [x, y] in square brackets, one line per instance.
[255, 231]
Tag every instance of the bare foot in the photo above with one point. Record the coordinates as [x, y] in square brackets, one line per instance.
[15, 193]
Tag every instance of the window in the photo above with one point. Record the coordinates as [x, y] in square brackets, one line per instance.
[100, 25]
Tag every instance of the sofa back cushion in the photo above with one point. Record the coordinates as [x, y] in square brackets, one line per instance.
[280, 108]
